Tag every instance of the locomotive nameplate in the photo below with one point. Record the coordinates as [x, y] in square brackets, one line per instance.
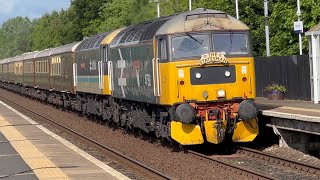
[213, 57]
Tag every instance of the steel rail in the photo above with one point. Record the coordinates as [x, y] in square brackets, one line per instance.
[300, 166]
[234, 168]
[93, 141]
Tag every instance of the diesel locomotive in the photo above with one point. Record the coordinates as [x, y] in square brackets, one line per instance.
[188, 77]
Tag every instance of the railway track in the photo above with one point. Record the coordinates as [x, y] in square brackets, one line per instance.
[218, 162]
[238, 164]
[233, 169]
[145, 170]
[298, 166]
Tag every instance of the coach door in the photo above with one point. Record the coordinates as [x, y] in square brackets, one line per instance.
[102, 67]
[108, 71]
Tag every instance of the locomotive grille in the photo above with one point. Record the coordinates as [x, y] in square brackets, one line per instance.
[212, 75]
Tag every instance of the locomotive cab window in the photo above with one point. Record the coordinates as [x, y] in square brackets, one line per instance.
[189, 46]
[231, 43]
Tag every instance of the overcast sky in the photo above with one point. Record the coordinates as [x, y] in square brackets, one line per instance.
[29, 8]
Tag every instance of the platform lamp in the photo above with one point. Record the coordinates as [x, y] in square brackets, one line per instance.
[158, 6]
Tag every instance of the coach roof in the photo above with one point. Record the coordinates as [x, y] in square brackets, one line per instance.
[65, 48]
[43, 53]
[29, 55]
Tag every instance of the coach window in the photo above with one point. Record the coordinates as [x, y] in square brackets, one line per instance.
[162, 49]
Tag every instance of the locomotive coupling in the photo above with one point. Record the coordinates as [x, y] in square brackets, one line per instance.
[247, 110]
[186, 113]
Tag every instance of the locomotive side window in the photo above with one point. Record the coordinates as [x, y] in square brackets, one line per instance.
[191, 45]
[231, 43]
[162, 49]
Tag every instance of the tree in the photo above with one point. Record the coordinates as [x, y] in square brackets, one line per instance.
[115, 14]
[53, 30]
[283, 41]
[85, 15]
[15, 37]
[143, 10]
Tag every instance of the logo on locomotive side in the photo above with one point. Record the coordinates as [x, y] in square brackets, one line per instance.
[213, 57]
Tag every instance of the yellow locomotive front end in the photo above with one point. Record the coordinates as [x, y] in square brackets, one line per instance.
[207, 77]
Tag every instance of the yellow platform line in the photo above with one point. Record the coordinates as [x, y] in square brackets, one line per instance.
[38, 162]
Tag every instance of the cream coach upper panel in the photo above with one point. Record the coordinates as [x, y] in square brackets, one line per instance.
[43, 53]
[16, 58]
[201, 19]
[65, 48]
[29, 55]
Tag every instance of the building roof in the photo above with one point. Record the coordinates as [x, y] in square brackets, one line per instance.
[314, 31]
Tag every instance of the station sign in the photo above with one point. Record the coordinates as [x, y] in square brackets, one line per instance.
[298, 27]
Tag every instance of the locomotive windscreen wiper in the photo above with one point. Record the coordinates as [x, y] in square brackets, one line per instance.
[193, 38]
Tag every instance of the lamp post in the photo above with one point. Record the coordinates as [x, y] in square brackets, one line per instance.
[267, 27]
[237, 9]
[158, 6]
[190, 5]
[299, 14]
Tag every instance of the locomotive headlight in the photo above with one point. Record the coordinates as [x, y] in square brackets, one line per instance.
[221, 93]
[227, 73]
[198, 75]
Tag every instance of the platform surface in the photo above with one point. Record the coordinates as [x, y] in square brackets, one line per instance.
[289, 109]
[12, 166]
[30, 151]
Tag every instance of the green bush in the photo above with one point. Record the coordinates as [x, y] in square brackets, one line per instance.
[275, 88]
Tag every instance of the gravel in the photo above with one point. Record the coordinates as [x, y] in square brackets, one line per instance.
[293, 154]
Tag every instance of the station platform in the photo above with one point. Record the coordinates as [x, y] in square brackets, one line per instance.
[30, 151]
[291, 109]
[297, 123]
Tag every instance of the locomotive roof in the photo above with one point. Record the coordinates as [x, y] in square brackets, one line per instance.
[92, 42]
[65, 48]
[201, 20]
[140, 32]
[195, 20]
